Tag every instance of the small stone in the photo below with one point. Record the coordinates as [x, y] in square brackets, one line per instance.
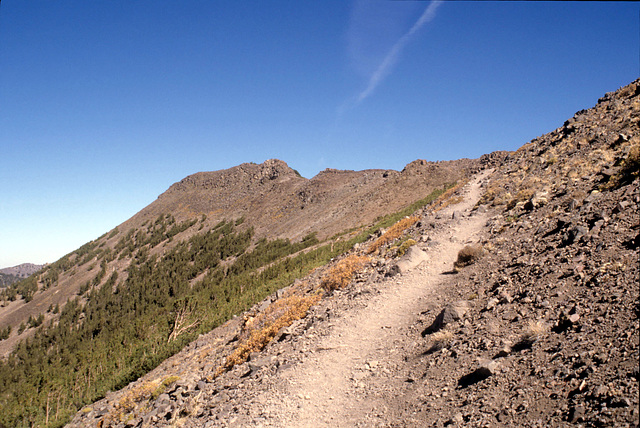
[505, 297]
[576, 413]
[492, 303]
[458, 418]
[452, 312]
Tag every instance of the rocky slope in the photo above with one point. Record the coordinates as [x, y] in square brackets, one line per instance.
[551, 334]
[278, 202]
[539, 327]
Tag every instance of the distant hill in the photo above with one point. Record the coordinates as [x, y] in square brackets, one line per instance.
[14, 274]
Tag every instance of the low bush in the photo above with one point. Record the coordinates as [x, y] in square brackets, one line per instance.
[534, 331]
[393, 233]
[440, 339]
[259, 331]
[402, 249]
[341, 274]
[468, 255]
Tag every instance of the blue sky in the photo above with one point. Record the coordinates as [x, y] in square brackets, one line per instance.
[105, 103]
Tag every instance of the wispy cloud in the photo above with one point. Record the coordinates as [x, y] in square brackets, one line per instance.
[383, 70]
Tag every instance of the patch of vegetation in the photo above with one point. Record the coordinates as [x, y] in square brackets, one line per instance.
[126, 328]
[446, 197]
[263, 328]
[393, 233]
[468, 255]
[534, 331]
[404, 246]
[439, 340]
[5, 332]
[341, 274]
[431, 199]
[160, 389]
[629, 170]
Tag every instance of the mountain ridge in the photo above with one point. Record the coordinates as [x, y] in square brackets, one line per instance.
[272, 195]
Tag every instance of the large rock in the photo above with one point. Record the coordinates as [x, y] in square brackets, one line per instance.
[410, 260]
[451, 313]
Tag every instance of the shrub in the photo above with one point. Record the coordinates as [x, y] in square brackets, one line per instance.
[533, 332]
[468, 255]
[629, 170]
[163, 386]
[405, 246]
[341, 274]
[260, 330]
[440, 339]
[394, 232]
[5, 333]
[522, 196]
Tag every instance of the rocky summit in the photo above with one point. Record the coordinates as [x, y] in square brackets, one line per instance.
[509, 301]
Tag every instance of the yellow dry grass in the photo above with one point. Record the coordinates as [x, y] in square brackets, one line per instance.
[534, 331]
[341, 274]
[448, 198]
[259, 331]
[392, 233]
[441, 338]
[135, 397]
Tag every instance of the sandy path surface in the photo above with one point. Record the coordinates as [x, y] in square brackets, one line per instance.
[333, 386]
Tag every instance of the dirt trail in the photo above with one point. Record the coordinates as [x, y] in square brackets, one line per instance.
[334, 386]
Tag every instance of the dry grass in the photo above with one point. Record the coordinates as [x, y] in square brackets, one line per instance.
[629, 171]
[134, 397]
[259, 331]
[163, 386]
[440, 339]
[394, 232]
[448, 198]
[523, 195]
[341, 274]
[534, 331]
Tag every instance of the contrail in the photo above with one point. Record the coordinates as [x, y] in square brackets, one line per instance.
[385, 67]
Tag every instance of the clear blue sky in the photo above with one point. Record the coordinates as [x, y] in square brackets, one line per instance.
[105, 103]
